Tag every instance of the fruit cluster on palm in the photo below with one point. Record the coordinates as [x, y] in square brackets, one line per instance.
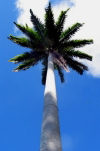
[49, 38]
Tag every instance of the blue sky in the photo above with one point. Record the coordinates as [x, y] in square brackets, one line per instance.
[21, 98]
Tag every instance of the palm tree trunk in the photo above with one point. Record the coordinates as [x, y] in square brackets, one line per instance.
[50, 136]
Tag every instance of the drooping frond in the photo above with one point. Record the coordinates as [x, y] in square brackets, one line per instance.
[33, 35]
[76, 65]
[49, 23]
[37, 25]
[21, 41]
[60, 72]
[60, 61]
[44, 73]
[28, 59]
[67, 34]
[25, 65]
[21, 57]
[60, 22]
[79, 54]
[76, 43]
[44, 70]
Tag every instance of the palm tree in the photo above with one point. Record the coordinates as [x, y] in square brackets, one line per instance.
[55, 49]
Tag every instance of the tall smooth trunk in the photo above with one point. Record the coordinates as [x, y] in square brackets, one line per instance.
[50, 135]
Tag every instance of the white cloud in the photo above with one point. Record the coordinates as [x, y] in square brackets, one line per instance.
[25, 5]
[84, 11]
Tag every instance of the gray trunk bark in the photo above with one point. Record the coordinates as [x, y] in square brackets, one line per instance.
[50, 135]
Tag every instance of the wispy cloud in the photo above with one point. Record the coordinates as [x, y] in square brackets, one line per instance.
[86, 11]
[70, 3]
[24, 6]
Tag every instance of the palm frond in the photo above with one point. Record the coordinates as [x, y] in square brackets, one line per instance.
[21, 41]
[21, 57]
[76, 65]
[60, 61]
[76, 43]
[79, 54]
[28, 59]
[25, 65]
[39, 27]
[67, 34]
[44, 69]
[44, 73]
[60, 72]
[29, 62]
[60, 22]
[33, 35]
[50, 23]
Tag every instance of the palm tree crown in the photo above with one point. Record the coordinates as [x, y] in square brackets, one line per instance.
[50, 38]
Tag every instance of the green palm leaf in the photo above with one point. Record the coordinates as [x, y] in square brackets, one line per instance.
[68, 33]
[76, 43]
[29, 62]
[79, 54]
[44, 69]
[37, 24]
[21, 57]
[26, 56]
[44, 73]
[76, 65]
[60, 22]
[60, 72]
[33, 35]
[21, 41]
[25, 65]
[50, 25]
